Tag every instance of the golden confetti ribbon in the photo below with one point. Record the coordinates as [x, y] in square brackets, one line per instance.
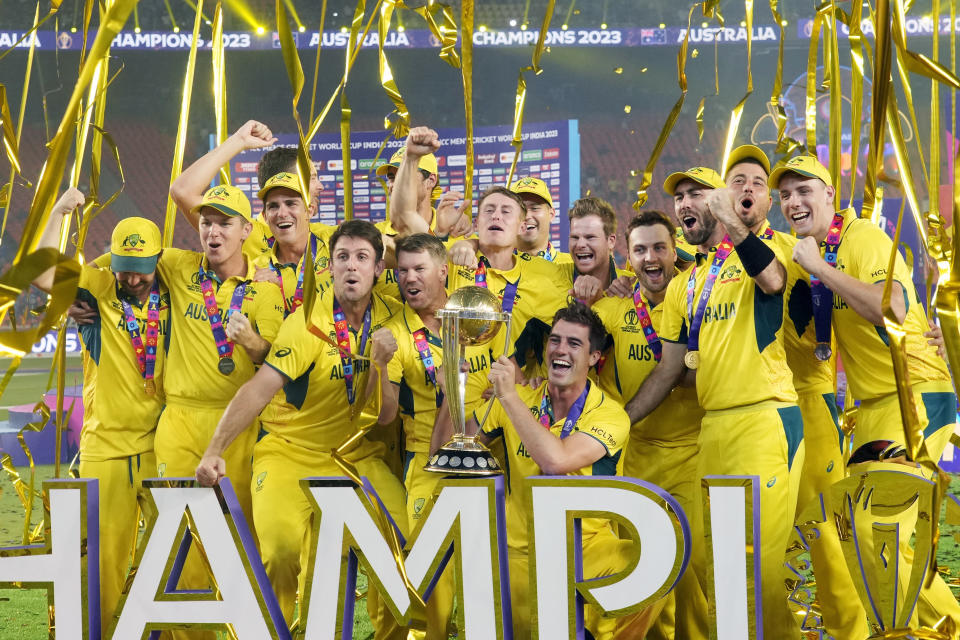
[917, 62]
[737, 112]
[401, 125]
[170, 218]
[810, 109]
[856, 41]
[521, 96]
[671, 119]
[345, 113]
[466, 72]
[220, 86]
[10, 138]
[445, 33]
[95, 204]
[316, 62]
[908, 95]
[937, 237]
[879, 92]
[832, 58]
[54, 7]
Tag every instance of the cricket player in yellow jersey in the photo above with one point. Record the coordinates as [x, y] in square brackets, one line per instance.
[593, 235]
[125, 347]
[847, 259]
[311, 394]
[413, 371]
[222, 326]
[724, 318]
[586, 433]
[282, 227]
[534, 238]
[663, 446]
[814, 377]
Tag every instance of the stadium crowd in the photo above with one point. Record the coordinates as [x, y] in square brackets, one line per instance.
[713, 353]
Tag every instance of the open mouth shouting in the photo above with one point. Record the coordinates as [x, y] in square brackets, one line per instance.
[653, 273]
[560, 365]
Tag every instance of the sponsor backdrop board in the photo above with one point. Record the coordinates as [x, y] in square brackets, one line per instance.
[551, 152]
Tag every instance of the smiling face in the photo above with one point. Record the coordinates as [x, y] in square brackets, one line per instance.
[498, 222]
[690, 206]
[286, 216]
[807, 204]
[422, 279]
[568, 354]
[221, 236]
[590, 247]
[652, 255]
[748, 182]
[135, 284]
[535, 230]
[355, 268]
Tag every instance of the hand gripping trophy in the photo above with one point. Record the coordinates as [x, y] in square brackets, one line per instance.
[472, 316]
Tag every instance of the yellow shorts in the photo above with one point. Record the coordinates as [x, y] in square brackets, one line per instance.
[879, 419]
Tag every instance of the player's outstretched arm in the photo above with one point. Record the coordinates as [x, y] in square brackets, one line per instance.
[404, 215]
[188, 189]
[69, 200]
[246, 405]
[664, 377]
[759, 260]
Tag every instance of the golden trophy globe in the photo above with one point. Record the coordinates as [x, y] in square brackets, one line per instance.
[472, 316]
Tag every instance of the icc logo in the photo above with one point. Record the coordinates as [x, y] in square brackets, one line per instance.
[630, 317]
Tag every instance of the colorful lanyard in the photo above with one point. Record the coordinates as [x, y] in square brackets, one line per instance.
[426, 357]
[146, 357]
[298, 294]
[646, 323]
[509, 291]
[343, 343]
[546, 411]
[548, 254]
[821, 295]
[226, 364]
[696, 320]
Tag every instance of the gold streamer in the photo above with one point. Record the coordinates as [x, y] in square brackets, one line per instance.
[291, 60]
[466, 72]
[402, 124]
[917, 62]
[880, 91]
[220, 85]
[937, 227]
[54, 7]
[856, 87]
[671, 119]
[8, 203]
[345, 113]
[446, 33]
[10, 138]
[810, 110]
[911, 111]
[170, 217]
[94, 204]
[903, 162]
[831, 46]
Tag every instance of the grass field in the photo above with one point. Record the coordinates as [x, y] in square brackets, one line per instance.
[23, 612]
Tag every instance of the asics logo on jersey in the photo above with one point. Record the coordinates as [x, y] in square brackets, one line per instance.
[282, 353]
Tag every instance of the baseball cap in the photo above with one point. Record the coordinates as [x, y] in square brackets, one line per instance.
[282, 179]
[704, 175]
[807, 166]
[227, 200]
[535, 186]
[428, 162]
[747, 152]
[135, 246]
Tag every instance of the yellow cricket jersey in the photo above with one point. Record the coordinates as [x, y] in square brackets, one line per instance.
[864, 253]
[602, 419]
[418, 395]
[119, 418]
[192, 377]
[311, 410]
[552, 254]
[810, 375]
[290, 272]
[742, 358]
[541, 290]
[628, 363]
[260, 239]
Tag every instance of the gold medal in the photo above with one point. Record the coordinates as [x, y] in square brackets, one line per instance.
[691, 359]
[150, 387]
[822, 351]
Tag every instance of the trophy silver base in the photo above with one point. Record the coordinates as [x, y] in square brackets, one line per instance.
[464, 457]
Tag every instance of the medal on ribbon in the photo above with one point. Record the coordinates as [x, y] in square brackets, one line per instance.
[225, 364]
[821, 295]
[509, 291]
[146, 352]
[646, 323]
[692, 357]
[546, 410]
[342, 330]
[426, 357]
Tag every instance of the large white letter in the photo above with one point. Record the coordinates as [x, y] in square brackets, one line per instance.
[462, 521]
[244, 600]
[68, 563]
[558, 502]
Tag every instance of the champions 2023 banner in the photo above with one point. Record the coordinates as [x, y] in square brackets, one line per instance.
[551, 152]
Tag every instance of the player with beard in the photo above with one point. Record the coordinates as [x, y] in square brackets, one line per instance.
[530, 288]
[848, 258]
[663, 446]
[123, 363]
[414, 374]
[323, 394]
[746, 176]
[734, 330]
[534, 237]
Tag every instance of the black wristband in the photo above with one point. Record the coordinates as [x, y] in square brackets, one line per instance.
[754, 254]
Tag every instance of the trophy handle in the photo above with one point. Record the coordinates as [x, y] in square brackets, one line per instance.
[493, 398]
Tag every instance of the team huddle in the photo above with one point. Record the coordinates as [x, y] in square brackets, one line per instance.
[712, 353]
